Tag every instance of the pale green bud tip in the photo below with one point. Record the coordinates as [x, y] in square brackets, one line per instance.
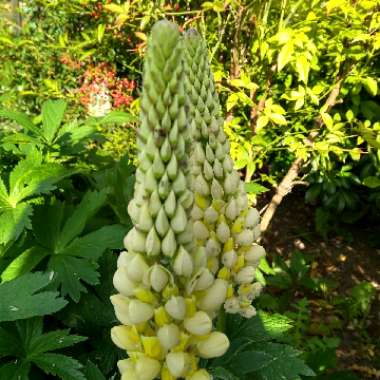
[178, 363]
[201, 374]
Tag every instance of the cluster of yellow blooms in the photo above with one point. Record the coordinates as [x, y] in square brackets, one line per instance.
[192, 249]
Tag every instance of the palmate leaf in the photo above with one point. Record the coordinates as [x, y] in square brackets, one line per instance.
[77, 262]
[64, 367]
[13, 221]
[92, 372]
[22, 119]
[75, 224]
[33, 347]
[270, 361]
[31, 299]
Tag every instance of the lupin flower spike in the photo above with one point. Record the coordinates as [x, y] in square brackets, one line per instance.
[191, 248]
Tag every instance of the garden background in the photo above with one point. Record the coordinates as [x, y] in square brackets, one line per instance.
[298, 82]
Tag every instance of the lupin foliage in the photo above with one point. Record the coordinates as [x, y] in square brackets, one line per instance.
[191, 251]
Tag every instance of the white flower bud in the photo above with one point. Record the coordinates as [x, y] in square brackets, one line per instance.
[229, 258]
[137, 268]
[199, 154]
[256, 232]
[169, 245]
[211, 215]
[178, 363]
[223, 232]
[121, 306]
[169, 336]
[214, 346]
[216, 190]
[127, 369]
[242, 201]
[196, 213]
[245, 237]
[154, 203]
[140, 311]
[124, 258]
[183, 263]
[203, 279]
[199, 324]
[125, 338]
[172, 167]
[230, 185]
[228, 165]
[232, 210]
[158, 277]
[135, 241]
[213, 247]
[218, 169]
[200, 258]
[250, 291]
[248, 312]
[153, 243]
[232, 305]
[186, 236]
[200, 231]
[122, 283]
[254, 254]
[186, 199]
[180, 184]
[246, 275]
[252, 219]
[166, 151]
[150, 182]
[214, 296]
[162, 223]
[176, 307]
[201, 185]
[147, 368]
[170, 204]
[158, 167]
[207, 170]
[209, 154]
[133, 211]
[164, 186]
[201, 374]
[179, 221]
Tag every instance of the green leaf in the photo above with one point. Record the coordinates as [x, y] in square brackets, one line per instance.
[272, 361]
[75, 224]
[327, 119]
[14, 221]
[371, 182]
[114, 117]
[15, 371]
[9, 343]
[92, 372]
[92, 245]
[59, 365]
[71, 272]
[285, 55]
[370, 109]
[278, 119]
[223, 374]
[22, 119]
[52, 116]
[255, 188]
[51, 341]
[262, 121]
[302, 67]
[264, 327]
[31, 300]
[24, 263]
[370, 84]
[101, 30]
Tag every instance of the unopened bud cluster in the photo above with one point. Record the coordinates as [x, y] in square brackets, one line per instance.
[192, 249]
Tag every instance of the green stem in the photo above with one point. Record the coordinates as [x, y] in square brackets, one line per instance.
[221, 323]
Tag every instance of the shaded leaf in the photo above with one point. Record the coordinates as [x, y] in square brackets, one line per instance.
[31, 300]
[52, 116]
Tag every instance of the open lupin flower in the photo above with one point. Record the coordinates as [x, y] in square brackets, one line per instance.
[191, 253]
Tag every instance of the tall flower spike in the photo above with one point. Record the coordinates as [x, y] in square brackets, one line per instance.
[223, 222]
[165, 288]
